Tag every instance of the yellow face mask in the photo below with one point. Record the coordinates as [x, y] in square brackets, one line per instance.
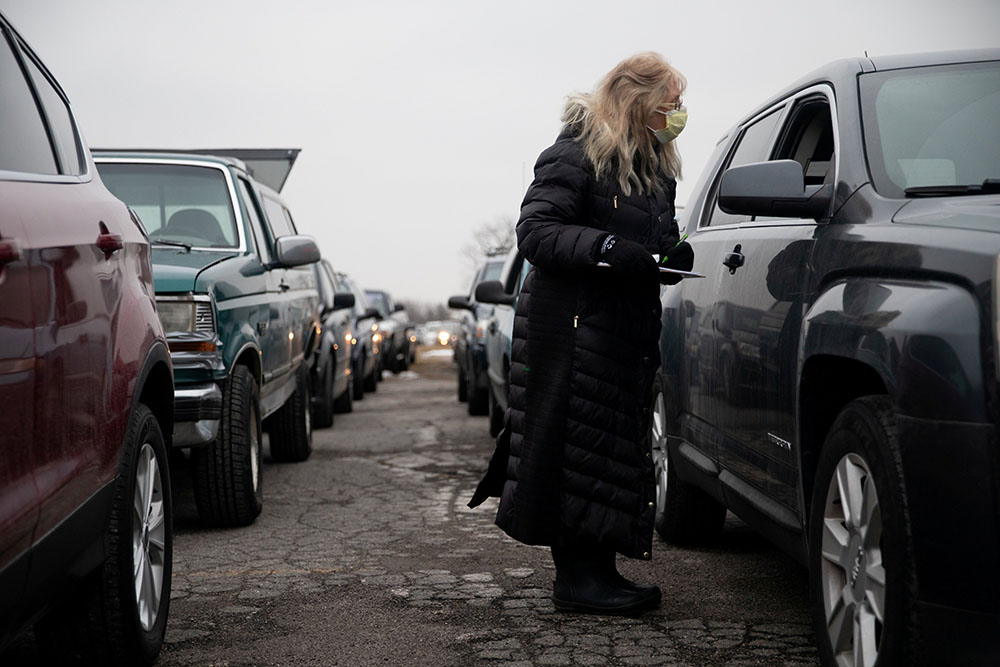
[676, 120]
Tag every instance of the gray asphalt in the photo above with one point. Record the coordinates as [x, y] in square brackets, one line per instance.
[367, 555]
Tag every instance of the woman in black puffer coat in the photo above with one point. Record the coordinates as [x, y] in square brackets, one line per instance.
[579, 476]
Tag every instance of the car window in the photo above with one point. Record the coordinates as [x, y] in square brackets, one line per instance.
[24, 144]
[492, 271]
[60, 120]
[180, 203]
[256, 226]
[380, 302]
[754, 146]
[280, 224]
[326, 285]
[807, 138]
[932, 126]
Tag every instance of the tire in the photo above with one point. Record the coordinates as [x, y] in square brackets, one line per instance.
[861, 569]
[323, 410]
[345, 402]
[228, 488]
[371, 382]
[685, 514]
[463, 385]
[291, 425]
[359, 381]
[110, 622]
[478, 397]
[496, 415]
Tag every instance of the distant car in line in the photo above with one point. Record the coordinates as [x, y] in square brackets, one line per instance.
[440, 333]
[333, 388]
[503, 295]
[238, 300]
[365, 346]
[86, 389]
[394, 330]
[470, 340]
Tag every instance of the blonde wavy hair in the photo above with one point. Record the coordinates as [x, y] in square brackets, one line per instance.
[612, 122]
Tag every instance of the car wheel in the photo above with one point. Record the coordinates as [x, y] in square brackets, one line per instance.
[345, 402]
[685, 514]
[120, 616]
[861, 556]
[496, 415]
[323, 409]
[371, 382]
[226, 473]
[478, 397]
[463, 385]
[359, 381]
[291, 426]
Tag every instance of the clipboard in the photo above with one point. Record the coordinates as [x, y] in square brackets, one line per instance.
[663, 269]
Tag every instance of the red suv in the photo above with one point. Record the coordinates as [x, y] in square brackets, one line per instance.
[86, 391]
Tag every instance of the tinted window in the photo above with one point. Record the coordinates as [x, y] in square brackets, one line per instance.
[932, 126]
[754, 146]
[380, 301]
[24, 144]
[280, 224]
[253, 212]
[808, 139]
[60, 121]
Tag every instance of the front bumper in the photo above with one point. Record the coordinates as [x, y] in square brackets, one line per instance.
[950, 471]
[197, 413]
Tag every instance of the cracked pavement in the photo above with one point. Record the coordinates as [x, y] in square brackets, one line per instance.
[367, 554]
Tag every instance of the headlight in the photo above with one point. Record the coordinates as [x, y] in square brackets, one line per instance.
[443, 337]
[186, 315]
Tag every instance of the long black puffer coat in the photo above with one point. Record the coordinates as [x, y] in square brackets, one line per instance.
[585, 350]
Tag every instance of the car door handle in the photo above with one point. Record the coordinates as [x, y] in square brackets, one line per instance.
[734, 259]
[283, 286]
[493, 327]
[109, 243]
[10, 251]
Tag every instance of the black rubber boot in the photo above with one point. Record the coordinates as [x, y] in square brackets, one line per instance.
[584, 584]
[608, 562]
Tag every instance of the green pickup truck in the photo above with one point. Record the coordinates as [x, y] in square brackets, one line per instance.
[240, 308]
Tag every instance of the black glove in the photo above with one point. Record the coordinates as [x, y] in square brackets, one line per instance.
[680, 257]
[628, 258]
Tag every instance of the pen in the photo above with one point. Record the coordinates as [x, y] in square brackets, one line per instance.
[665, 258]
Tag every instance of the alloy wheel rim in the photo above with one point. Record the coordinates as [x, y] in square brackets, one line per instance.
[254, 449]
[658, 442]
[852, 573]
[149, 535]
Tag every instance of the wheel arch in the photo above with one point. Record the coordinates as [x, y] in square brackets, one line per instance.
[250, 356]
[156, 388]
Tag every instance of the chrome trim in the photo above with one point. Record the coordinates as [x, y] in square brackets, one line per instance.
[233, 199]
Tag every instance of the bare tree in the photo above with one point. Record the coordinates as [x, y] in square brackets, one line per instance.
[489, 240]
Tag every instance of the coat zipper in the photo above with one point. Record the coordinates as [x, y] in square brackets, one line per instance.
[616, 201]
[576, 319]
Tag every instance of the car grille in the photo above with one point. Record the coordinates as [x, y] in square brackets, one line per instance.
[204, 322]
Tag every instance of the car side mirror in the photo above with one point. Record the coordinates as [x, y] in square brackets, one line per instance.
[295, 250]
[371, 312]
[491, 291]
[460, 302]
[343, 300]
[398, 308]
[775, 188]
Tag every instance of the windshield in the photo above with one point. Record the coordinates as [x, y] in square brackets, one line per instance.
[379, 302]
[179, 203]
[932, 126]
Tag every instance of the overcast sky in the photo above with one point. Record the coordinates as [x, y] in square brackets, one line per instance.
[419, 121]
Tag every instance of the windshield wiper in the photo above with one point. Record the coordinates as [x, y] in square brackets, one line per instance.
[173, 243]
[989, 186]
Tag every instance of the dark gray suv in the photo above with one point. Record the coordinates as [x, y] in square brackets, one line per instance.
[833, 378]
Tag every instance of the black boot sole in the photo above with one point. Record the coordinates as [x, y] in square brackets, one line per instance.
[631, 609]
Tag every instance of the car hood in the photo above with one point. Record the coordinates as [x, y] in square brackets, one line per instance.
[979, 212]
[176, 270]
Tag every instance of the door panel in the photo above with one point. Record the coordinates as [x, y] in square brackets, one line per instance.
[18, 494]
[759, 315]
[76, 292]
